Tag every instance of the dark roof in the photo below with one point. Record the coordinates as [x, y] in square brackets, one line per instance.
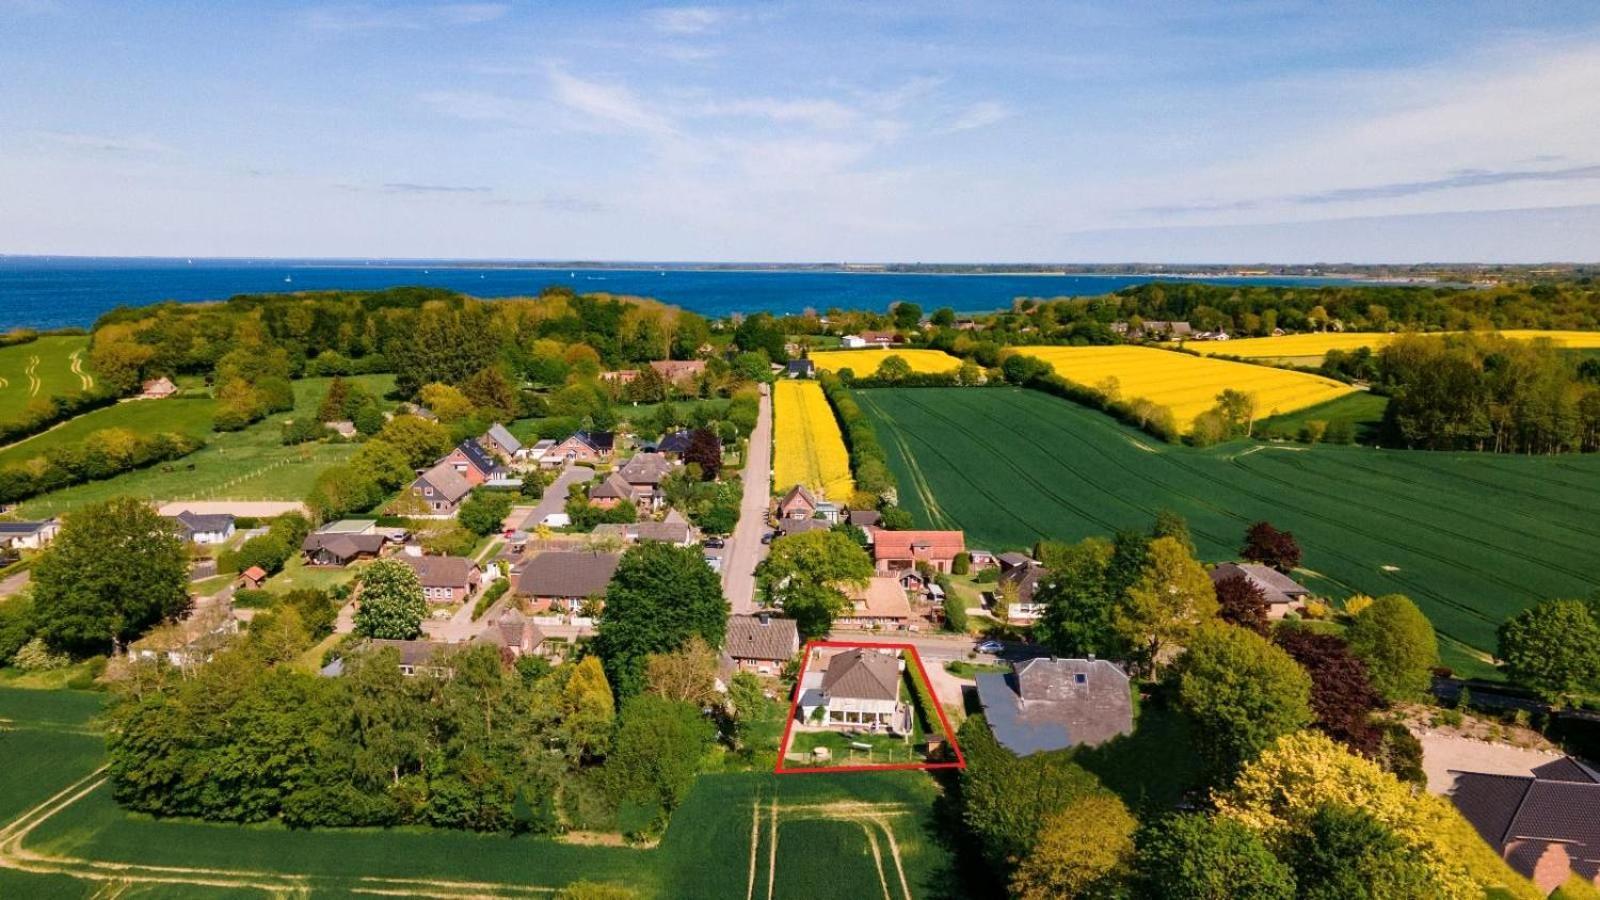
[1013, 559]
[441, 571]
[674, 442]
[801, 366]
[613, 487]
[862, 675]
[1043, 704]
[344, 546]
[478, 457]
[194, 523]
[412, 653]
[864, 518]
[1025, 578]
[1278, 587]
[646, 468]
[1509, 809]
[23, 528]
[669, 532]
[800, 526]
[601, 441]
[446, 482]
[1567, 769]
[757, 637]
[567, 573]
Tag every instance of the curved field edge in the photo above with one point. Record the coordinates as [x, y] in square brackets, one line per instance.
[717, 845]
[1473, 538]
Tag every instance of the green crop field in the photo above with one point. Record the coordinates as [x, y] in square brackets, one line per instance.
[52, 366]
[62, 835]
[1473, 538]
[250, 464]
[1363, 410]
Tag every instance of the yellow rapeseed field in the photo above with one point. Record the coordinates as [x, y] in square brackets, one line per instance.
[1318, 344]
[808, 449]
[865, 362]
[1188, 385]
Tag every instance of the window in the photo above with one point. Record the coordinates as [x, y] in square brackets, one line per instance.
[1080, 678]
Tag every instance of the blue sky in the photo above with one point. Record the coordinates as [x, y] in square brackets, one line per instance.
[1176, 132]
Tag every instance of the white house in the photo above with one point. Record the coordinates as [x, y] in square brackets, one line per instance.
[204, 528]
[28, 535]
[853, 341]
[860, 689]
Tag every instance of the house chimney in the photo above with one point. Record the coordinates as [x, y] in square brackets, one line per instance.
[1091, 657]
[764, 617]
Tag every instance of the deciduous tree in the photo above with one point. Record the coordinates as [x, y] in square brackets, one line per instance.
[1398, 644]
[392, 602]
[1266, 544]
[1085, 846]
[1554, 648]
[115, 569]
[1190, 856]
[1241, 603]
[1242, 693]
[660, 596]
[1172, 597]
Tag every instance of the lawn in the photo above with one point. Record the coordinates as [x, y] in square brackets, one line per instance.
[52, 366]
[709, 850]
[250, 464]
[1473, 538]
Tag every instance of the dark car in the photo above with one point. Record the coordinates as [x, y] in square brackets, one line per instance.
[767, 538]
[712, 542]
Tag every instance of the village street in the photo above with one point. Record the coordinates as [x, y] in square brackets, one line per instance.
[745, 550]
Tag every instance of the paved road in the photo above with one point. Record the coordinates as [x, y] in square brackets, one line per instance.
[745, 550]
[555, 496]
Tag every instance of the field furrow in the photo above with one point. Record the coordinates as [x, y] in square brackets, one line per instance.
[1473, 538]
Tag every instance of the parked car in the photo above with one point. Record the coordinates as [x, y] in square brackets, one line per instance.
[990, 646]
[712, 542]
[767, 538]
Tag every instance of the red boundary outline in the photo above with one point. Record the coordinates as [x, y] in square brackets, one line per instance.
[794, 706]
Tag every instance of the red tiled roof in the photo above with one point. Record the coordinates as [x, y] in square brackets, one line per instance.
[917, 544]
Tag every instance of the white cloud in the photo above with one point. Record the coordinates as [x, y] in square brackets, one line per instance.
[979, 115]
[365, 17]
[687, 19]
[608, 105]
[825, 114]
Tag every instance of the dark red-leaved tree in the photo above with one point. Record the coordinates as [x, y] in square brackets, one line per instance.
[706, 451]
[1342, 696]
[1265, 544]
[1240, 602]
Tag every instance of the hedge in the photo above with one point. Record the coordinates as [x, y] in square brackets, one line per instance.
[868, 463]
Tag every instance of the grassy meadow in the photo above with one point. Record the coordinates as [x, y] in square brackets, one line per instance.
[250, 464]
[719, 842]
[1188, 385]
[1473, 538]
[190, 416]
[55, 365]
